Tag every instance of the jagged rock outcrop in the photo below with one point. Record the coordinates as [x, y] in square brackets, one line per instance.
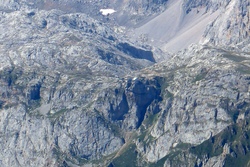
[127, 12]
[212, 5]
[231, 28]
[203, 91]
[53, 66]
[185, 22]
[75, 93]
[197, 92]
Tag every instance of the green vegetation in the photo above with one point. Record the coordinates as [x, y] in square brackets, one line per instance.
[238, 137]
[241, 161]
[183, 146]
[128, 158]
[58, 113]
[234, 57]
[164, 83]
[172, 157]
[9, 105]
[207, 148]
[60, 156]
[169, 94]
[161, 162]
[143, 135]
[150, 120]
[33, 104]
[200, 76]
[243, 69]
[231, 111]
[10, 76]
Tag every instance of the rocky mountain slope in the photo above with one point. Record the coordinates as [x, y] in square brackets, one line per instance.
[232, 27]
[53, 63]
[76, 93]
[128, 12]
[187, 22]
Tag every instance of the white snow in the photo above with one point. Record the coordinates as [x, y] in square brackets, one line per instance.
[135, 78]
[106, 12]
[175, 144]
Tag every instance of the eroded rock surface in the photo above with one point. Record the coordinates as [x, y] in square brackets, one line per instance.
[73, 92]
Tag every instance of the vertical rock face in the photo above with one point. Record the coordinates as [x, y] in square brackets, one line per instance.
[208, 4]
[85, 137]
[52, 75]
[203, 91]
[34, 92]
[75, 93]
[232, 27]
[193, 109]
[39, 141]
[127, 105]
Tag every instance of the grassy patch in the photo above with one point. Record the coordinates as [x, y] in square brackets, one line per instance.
[142, 136]
[150, 120]
[9, 77]
[57, 114]
[238, 138]
[234, 57]
[171, 156]
[169, 94]
[243, 69]
[164, 83]
[33, 104]
[183, 146]
[128, 158]
[207, 148]
[231, 111]
[241, 161]
[200, 76]
[8, 105]
[115, 129]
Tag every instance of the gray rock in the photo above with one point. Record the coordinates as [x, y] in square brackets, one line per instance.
[75, 93]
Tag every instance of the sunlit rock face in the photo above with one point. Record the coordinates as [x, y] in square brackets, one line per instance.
[82, 83]
[232, 27]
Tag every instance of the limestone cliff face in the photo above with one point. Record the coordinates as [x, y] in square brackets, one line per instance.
[200, 96]
[54, 67]
[212, 5]
[75, 93]
[231, 27]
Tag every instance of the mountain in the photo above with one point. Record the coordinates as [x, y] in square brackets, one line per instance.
[232, 27]
[187, 22]
[128, 12]
[82, 89]
[54, 64]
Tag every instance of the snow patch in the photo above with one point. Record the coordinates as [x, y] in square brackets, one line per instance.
[106, 12]
[175, 144]
[135, 78]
